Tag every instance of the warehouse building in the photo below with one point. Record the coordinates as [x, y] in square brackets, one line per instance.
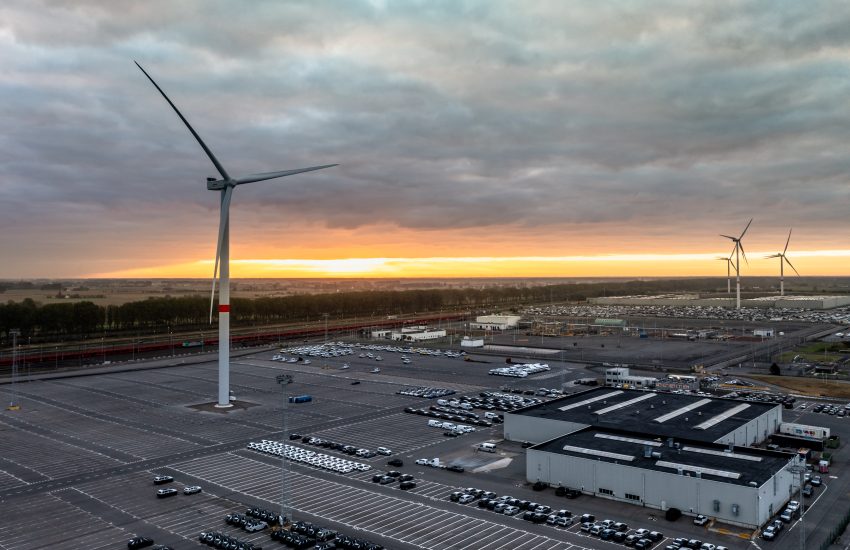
[620, 377]
[687, 416]
[495, 322]
[736, 485]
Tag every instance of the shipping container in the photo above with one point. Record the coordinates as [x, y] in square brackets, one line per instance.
[301, 399]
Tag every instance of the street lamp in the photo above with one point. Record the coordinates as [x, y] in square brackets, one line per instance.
[285, 513]
[13, 404]
[800, 469]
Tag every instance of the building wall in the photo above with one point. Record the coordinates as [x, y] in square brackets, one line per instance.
[662, 490]
[756, 430]
[518, 427]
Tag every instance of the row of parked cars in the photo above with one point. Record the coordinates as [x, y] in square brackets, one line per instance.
[144, 542]
[447, 416]
[619, 532]
[303, 534]
[520, 371]
[405, 481]
[425, 392]
[772, 530]
[341, 447]
[305, 456]
[498, 401]
[225, 542]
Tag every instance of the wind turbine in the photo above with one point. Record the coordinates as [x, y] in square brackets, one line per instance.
[783, 259]
[728, 272]
[738, 251]
[222, 254]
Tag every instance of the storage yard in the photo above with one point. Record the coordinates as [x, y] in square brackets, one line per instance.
[85, 449]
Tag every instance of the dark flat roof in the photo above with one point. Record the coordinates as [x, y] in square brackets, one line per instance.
[740, 467]
[615, 408]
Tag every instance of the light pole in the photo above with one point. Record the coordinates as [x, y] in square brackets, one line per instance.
[285, 511]
[325, 315]
[171, 341]
[13, 404]
[800, 470]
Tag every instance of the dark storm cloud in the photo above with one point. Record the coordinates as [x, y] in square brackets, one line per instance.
[458, 114]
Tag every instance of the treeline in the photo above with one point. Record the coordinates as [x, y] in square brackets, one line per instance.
[82, 319]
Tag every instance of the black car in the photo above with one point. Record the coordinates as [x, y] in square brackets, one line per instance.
[294, 436]
[408, 484]
[450, 434]
[355, 382]
[139, 542]
[405, 477]
[377, 478]
[397, 462]
[454, 468]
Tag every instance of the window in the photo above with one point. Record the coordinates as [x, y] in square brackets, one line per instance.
[632, 497]
[606, 492]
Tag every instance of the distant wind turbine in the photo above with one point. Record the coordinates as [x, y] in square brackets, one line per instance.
[222, 253]
[783, 259]
[738, 251]
[728, 261]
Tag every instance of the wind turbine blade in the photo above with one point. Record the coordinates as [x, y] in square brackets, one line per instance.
[728, 237]
[773, 256]
[222, 227]
[271, 175]
[203, 145]
[745, 229]
[744, 254]
[791, 266]
[724, 258]
[788, 241]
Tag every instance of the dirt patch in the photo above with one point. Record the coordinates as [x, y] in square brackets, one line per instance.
[807, 386]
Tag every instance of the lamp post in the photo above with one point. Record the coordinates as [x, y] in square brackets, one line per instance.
[13, 404]
[799, 469]
[285, 511]
[325, 315]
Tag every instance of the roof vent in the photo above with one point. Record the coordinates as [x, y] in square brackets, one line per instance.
[699, 413]
[753, 484]
[679, 470]
[656, 454]
[698, 474]
[647, 451]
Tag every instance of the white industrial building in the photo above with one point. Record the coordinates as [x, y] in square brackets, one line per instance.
[686, 300]
[468, 342]
[735, 485]
[620, 377]
[691, 452]
[495, 322]
[418, 335]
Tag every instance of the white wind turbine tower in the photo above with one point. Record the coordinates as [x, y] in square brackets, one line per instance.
[728, 272]
[222, 255]
[783, 259]
[738, 251]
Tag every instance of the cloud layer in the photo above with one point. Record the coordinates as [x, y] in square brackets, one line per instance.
[462, 128]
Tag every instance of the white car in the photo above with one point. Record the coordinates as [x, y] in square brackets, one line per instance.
[422, 461]
[793, 506]
[383, 451]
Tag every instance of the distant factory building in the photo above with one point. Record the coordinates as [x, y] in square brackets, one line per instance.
[495, 322]
[468, 342]
[620, 377]
[764, 332]
[385, 334]
[418, 336]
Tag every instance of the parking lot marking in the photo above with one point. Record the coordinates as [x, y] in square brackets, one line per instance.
[351, 506]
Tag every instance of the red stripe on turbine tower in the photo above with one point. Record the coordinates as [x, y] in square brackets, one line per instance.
[224, 308]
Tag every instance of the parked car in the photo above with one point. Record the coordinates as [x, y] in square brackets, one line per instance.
[139, 542]
[163, 493]
[159, 480]
[191, 490]
[700, 520]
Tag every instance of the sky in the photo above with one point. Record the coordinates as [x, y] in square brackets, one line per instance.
[509, 138]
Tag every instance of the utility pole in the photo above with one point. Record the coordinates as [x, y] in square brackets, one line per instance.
[800, 469]
[325, 315]
[285, 510]
[14, 405]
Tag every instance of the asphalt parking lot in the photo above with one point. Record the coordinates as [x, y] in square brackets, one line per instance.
[77, 461]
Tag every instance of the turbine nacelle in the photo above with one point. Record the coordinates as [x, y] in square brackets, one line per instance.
[218, 185]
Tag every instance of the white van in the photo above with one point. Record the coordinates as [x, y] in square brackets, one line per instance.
[435, 423]
[490, 415]
[487, 447]
[442, 402]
